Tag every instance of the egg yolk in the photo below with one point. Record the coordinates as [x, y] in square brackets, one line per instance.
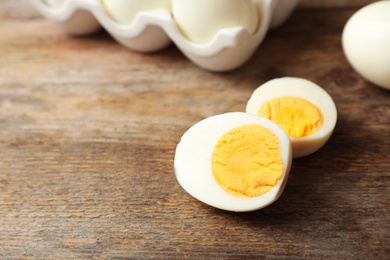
[247, 161]
[298, 117]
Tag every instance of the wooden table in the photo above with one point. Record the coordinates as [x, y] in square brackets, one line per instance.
[88, 131]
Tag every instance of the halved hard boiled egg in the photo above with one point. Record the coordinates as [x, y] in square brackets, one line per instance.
[234, 161]
[304, 110]
[200, 20]
[125, 11]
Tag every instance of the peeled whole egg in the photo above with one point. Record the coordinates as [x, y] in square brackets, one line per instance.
[234, 161]
[303, 109]
[55, 3]
[125, 11]
[282, 12]
[200, 20]
[366, 42]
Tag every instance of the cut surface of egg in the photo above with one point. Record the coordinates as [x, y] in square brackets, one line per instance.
[304, 110]
[125, 11]
[366, 42]
[200, 20]
[234, 161]
[55, 3]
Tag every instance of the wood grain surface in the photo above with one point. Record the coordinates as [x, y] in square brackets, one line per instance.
[88, 131]
[333, 3]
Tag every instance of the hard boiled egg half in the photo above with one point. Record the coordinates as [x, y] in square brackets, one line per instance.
[304, 110]
[234, 161]
[200, 20]
[125, 11]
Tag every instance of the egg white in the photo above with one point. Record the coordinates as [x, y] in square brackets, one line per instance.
[193, 162]
[301, 88]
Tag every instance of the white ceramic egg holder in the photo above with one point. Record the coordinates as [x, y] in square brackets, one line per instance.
[155, 29]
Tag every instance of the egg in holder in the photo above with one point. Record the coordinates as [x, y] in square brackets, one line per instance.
[152, 25]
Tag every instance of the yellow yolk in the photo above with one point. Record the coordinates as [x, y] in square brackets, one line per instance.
[298, 117]
[247, 161]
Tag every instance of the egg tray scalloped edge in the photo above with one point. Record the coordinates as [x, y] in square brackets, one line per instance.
[153, 30]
